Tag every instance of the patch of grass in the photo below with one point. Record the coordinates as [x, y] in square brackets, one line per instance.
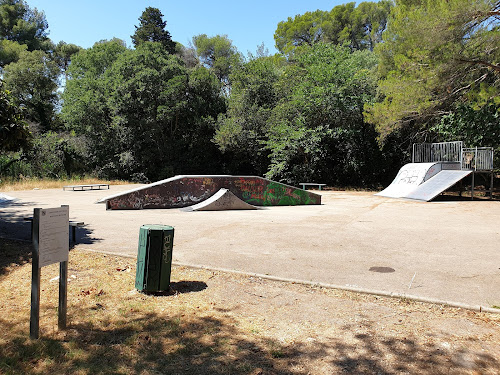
[209, 324]
[112, 328]
[35, 183]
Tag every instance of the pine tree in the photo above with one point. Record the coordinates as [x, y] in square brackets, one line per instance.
[152, 29]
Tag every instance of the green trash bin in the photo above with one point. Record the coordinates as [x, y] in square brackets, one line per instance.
[154, 258]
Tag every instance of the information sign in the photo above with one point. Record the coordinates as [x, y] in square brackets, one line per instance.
[50, 245]
[53, 234]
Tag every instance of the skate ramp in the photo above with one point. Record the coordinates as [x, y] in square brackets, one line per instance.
[187, 190]
[409, 177]
[424, 181]
[220, 201]
[437, 184]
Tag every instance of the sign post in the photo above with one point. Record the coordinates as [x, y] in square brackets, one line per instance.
[50, 245]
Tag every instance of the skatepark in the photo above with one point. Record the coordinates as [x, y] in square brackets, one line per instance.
[442, 251]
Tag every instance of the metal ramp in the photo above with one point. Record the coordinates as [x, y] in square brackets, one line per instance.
[436, 167]
[436, 185]
[409, 177]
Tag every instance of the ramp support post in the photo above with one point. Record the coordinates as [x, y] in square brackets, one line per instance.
[491, 184]
[472, 186]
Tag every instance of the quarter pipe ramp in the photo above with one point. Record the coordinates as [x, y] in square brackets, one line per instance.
[424, 181]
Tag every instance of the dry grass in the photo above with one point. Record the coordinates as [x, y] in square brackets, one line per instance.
[114, 329]
[34, 183]
[217, 323]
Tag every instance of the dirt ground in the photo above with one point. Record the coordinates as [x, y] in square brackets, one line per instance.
[265, 327]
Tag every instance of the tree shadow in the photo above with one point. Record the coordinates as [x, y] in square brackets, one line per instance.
[14, 226]
[151, 343]
[12, 223]
[13, 252]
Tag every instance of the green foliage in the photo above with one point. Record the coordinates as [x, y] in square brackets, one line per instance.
[143, 113]
[10, 51]
[359, 27]
[20, 23]
[317, 130]
[14, 132]
[304, 115]
[218, 54]
[476, 127]
[86, 109]
[51, 155]
[152, 29]
[63, 53]
[436, 54]
[241, 132]
[32, 81]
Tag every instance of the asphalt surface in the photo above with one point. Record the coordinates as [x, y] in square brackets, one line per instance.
[446, 250]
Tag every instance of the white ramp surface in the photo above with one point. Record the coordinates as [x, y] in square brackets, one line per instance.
[222, 200]
[437, 184]
[409, 177]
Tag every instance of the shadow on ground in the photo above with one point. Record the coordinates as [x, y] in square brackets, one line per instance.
[153, 343]
[14, 226]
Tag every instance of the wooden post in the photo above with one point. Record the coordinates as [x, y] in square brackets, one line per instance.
[63, 295]
[35, 278]
[63, 291]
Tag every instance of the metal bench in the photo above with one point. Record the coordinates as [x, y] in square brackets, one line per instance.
[72, 224]
[83, 187]
[304, 184]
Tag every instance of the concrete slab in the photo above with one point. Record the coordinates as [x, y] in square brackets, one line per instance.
[445, 250]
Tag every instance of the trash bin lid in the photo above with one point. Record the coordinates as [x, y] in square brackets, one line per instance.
[157, 227]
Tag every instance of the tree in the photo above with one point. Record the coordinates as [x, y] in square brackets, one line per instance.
[218, 54]
[164, 112]
[33, 83]
[144, 114]
[302, 119]
[152, 29]
[10, 51]
[20, 23]
[63, 52]
[14, 132]
[316, 130]
[360, 28]
[243, 129]
[435, 55]
[86, 109]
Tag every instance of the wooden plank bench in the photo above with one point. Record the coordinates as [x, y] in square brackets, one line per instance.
[83, 187]
[72, 224]
[304, 184]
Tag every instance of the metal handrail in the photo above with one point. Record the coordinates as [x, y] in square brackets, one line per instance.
[445, 152]
[477, 158]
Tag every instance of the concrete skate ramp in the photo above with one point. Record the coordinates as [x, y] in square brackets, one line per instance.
[187, 190]
[220, 201]
[437, 184]
[409, 177]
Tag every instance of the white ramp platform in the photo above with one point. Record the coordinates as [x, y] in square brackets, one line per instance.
[437, 184]
[424, 181]
[409, 177]
[222, 200]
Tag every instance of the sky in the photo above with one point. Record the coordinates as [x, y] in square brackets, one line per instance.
[247, 23]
